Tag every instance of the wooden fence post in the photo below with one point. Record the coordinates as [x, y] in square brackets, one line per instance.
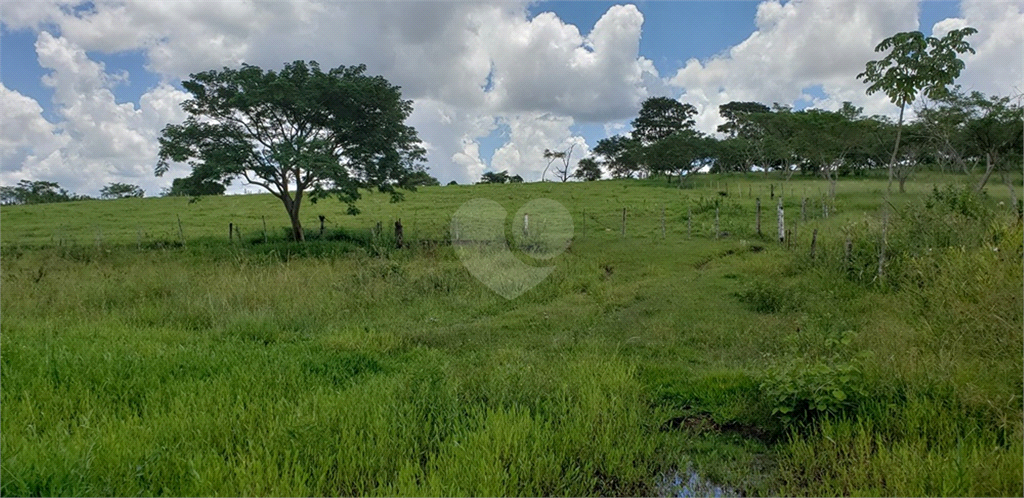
[398, 233]
[623, 222]
[322, 218]
[803, 209]
[814, 242]
[231, 232]
[526, 225]
[773, 191]
[849, 252]
[758, 217]
[181, 233]
[264, 229]
[782, 222]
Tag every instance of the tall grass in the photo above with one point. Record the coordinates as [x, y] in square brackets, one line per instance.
[345, 366]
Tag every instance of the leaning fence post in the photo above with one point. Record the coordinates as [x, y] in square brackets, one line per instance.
[181, 233]
[782, 222]
[264, 229]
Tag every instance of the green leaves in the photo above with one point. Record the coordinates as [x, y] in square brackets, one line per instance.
[295, 131]
[661, 117]
[804, 390]
[620, 154]
[121, 190]
[682, 151]
[915, 64]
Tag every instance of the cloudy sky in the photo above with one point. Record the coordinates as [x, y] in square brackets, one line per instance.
[85, 88]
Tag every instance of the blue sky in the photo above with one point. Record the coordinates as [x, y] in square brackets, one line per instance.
[469, 130]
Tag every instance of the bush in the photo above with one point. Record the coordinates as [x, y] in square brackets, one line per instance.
[802, 392]
[805, 390]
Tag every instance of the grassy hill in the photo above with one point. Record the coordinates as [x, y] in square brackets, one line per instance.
[664, 361]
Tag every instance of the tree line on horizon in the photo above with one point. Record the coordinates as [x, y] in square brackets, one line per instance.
[962, 132]
[43, 192]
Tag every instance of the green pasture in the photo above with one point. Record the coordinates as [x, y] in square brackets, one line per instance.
[140, 358]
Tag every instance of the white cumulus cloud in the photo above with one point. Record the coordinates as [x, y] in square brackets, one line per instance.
[469, 68]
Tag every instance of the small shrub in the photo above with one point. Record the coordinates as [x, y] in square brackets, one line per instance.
[802, 392]
[805, 389]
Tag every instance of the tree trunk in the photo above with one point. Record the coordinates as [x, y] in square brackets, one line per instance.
[292, 206]
[895, 150]
[297, 233]
[989, 166]
[903, 181]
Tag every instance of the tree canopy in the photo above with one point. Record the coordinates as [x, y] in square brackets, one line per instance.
[680, 153]
[295, 132]
[500, 177]
[121, 190]
[421, 179]
[191, 186]
[660, 117]
[737, 122]
[587, 170]
[37, 192]
[915, 64]
[620, 154]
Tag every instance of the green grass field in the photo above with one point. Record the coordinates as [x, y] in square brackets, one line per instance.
[134, 364]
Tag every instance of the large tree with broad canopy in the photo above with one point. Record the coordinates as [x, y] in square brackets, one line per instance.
[296, 132]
